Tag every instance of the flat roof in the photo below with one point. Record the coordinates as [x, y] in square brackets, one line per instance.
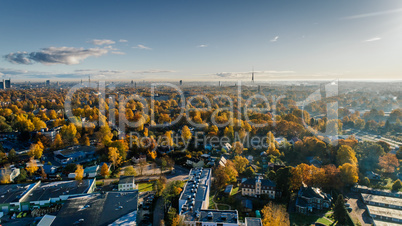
[386, 212]
[48, 190]
[196, 187]
[252, 221]
[126, 179]
[382, 199]
[384, 223]
[98, 209]
[217, 216]
[13, 192]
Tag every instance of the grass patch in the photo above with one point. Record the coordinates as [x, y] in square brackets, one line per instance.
[143, 187]
[223, 207]
[324, 221]
[211, 202]
[235, 190]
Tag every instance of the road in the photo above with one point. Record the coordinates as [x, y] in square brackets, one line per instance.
[180, 174]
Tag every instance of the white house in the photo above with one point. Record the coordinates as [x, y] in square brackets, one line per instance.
[127, 183]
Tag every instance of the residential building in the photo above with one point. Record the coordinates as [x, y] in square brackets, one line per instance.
[258, 186]
[311, 198]
[195, 163]
[252, 221]
[74, 154]
[111, 208]
[127, 183]
[9, 173]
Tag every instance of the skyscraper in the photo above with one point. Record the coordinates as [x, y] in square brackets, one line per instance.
[181, 82]
[7, 84]
[47, 83]
[252, 75]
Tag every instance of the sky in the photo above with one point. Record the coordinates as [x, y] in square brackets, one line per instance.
[200, 40]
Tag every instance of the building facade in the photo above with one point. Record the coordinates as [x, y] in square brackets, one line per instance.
[258, 186]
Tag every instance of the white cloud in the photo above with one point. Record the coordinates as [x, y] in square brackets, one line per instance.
[274, 39]
[359, 16]
[118, 53]
[142, 47]
[100, 42]
[373, 39]
[123, 40]
[55, 55]
[202, 46]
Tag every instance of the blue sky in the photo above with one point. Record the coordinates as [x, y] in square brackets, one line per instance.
[200, 40]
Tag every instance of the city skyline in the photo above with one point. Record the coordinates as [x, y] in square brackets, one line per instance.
[200, 41]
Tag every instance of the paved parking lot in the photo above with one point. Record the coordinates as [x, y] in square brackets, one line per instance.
[359, 210]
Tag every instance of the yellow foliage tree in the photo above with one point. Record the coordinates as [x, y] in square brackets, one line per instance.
[346, 154]
[240, 163]
[114, 156]
[349, 173]
[274, 215]
[79, 172]
[186, 134]
[104, 170]
[58, 142]
[152, 154]
[32, 167]
[36, 150]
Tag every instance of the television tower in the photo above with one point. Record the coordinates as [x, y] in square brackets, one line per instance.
[252, 75]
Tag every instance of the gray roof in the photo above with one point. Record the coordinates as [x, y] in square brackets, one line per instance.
[203, 176]
[252, 221]
[98, 209]
[217, 216]
[45, 191]
[13, 192]
[126, 179]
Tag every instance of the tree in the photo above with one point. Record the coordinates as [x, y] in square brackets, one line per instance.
[5, 176]
[32, 166]
[365, 181]
[79, 173]
[225, 175]
[86, 141]
[388, 163]
[397, 185]
[36, 150]
[274, 215]
[58, 142]
[114, 156]
[346, 154]
[104, 170]
[237, 148]
[249, 172]
[130, 171]
[399, 153]
[186, 134]
[142, 165]
[152, 154]
[340, 212]
[240, 163]
[159, 186]
[12, 155]
[349, 173]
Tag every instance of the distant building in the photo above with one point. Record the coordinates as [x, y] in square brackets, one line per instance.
[195, 163]
[47, 83]
[127, 183]
[257, 186]
[252, 221]
[11, 173]
[7, 83]
[310, 199]
[74, 154]
[181, 82]
[111, 208]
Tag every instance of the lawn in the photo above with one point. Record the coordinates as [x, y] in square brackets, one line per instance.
[301, 219]
[223, 207]
[143, 187]
[235, 190]
[211, 202]
[324, 221]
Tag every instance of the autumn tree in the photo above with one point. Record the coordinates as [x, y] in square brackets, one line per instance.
[68, 132]
[86, 141]
[273, 214]
[349, 173]
[5, 175]
[32, 166]
[225, 174]
[160, 185]
[346, 154]
[36, 150]
[186, 134]
[104, 170]
[388, 163]
[142, 165]
[240, 163]
[237, 148]
[79, 172]
[58, 142]
[114, 156]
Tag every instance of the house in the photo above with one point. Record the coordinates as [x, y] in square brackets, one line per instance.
[311, 198]
[127, 183]
[227, 147]
[314, 161]
[91, 171]
[258, 186]
[373, 176]
[228, 190]
[138, 159]
[74, 154]
[253, 221]
[222, 161]
[50, 169]
[111, 208]
[250, 158]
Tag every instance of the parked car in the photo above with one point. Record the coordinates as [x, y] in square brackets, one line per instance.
[347, 205]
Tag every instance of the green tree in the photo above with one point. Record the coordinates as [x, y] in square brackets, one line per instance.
[340, 212]
[130, 171]
[240, 163]
[397, 185]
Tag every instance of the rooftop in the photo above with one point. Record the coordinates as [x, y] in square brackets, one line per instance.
[195, 190]
[382, 199]
[98, 209]
[13, 192]
[49, 190]
[251, 221]
[220, 216]
[126, 179]
[386, 212]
